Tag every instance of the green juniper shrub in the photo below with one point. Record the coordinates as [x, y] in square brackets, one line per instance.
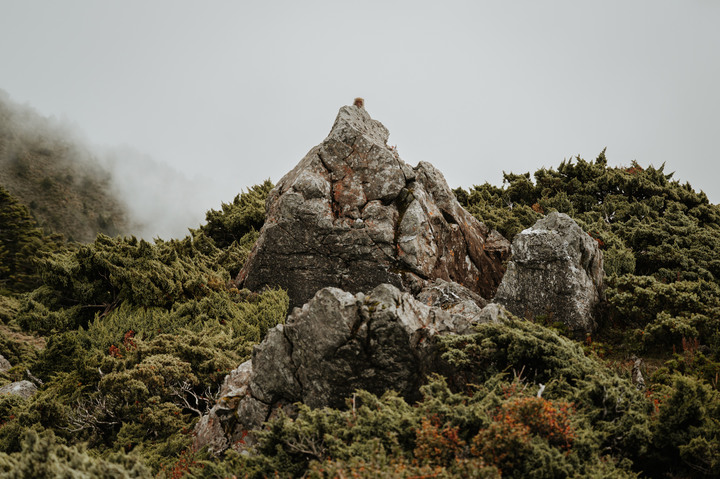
[382, 465]
[665, 313]
[685, 429]
[98, 277]
[234, 256]
[9, 306]
[64, 352]
[638, 300]
[694, 360]
[235, 220]
[42, 457]
[22, 244]
[37, 413]
[500, 428]
[19, 352]
[290, 444]
[541, 356]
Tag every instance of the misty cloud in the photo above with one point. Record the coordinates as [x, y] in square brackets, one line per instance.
[138, 194]
[161, 201]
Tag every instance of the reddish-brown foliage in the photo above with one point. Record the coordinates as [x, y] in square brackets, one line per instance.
[437, 443]
[114, 351]
[516, 422]
[128, 340]
[182, 465]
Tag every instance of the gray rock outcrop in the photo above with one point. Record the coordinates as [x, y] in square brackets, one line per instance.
[353, 215]
[452, 298]
[24, 389]
[335, 344]
[4, 364]
[556, 270]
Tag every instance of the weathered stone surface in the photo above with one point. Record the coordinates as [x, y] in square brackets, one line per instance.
[493, 313]
[24, 389]
[216, 428]
[4, 364]
[339, 342]
[209, 432]
[556, 269]
[452, 298]
[335, 344]
[353, 215]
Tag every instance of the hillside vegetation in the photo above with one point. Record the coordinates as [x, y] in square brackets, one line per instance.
[65, 187]
[138, 337]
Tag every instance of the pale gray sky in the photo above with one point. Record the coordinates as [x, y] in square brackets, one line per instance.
[238, 91]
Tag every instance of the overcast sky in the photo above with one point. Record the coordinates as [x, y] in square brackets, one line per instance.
[233, 92]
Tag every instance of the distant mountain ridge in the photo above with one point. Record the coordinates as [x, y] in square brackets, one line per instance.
[65, 187]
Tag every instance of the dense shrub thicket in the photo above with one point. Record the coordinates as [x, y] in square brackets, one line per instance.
[129, 340]
[22, 244]
[138, 338]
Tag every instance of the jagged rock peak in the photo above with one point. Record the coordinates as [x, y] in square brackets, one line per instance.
[353, 215]
[358, 119]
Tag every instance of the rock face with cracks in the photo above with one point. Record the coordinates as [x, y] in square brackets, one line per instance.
[353, 215]
[556, 270]
[335, 344]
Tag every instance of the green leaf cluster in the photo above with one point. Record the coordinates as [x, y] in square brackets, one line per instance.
[42, 457]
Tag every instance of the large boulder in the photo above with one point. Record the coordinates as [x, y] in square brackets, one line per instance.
[556, 271]
[335, 344]
[353, 215]
[24, 389]
[4, 364]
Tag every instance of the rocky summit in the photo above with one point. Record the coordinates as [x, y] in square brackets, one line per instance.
[381, 261]
[353, 215]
